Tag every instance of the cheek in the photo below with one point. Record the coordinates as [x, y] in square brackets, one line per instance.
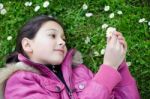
[66, 50]
[43, 47]
[47, 44]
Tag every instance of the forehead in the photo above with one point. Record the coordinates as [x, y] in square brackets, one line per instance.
[52, 25]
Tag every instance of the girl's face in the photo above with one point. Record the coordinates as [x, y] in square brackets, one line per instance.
[48, 46]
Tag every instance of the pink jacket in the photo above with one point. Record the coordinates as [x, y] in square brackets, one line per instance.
[107, 83]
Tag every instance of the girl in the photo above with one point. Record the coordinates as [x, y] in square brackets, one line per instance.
[43, 68]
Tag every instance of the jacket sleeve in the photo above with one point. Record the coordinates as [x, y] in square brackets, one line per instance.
[109, 83]
[126, 88]
[18, 86]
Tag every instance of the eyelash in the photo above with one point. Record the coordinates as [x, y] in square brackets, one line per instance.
[54, 36]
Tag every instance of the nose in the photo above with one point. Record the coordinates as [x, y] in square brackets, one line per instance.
[62, 42]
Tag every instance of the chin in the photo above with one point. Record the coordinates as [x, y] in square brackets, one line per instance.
[58, 62]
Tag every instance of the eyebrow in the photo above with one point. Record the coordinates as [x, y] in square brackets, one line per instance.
[52, 29]
[56, 31]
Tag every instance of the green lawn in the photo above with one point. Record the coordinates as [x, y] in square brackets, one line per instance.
[86, 33]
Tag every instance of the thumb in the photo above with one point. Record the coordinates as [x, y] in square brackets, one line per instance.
[108, 39]
[113, 39]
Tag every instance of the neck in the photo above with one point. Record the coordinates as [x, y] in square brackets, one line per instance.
[54, 68]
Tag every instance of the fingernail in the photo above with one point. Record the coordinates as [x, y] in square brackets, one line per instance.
[113, 32]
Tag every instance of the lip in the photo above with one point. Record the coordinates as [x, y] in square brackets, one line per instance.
[60, 50]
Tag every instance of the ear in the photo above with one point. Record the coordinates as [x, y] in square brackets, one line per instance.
[26, 45]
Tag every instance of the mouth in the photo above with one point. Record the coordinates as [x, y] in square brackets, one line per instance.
[60, 50]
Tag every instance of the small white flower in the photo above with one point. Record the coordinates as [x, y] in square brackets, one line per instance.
[45, 4]
[26, 3]
[111, 15]
[149, 23]
[36, 8]
[89, 14]
[9, 38]
[106, 8]
[142, 20]
[30, 3]
[87, 40]
[96, 53]
[129, 63]
[104, 26]
[119, 12]
[110, 31]
[3, 11]
[1, 6]
[102, 51]
[84, 7]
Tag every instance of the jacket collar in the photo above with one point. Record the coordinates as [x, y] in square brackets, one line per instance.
[66, 66]
[73, 58]
[41, 67]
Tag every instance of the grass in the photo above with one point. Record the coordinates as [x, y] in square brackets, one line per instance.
[78, 27]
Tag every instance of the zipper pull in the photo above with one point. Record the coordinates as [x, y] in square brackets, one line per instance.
[70, 94]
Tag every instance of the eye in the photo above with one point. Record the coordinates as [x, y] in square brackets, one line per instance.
[52, 35]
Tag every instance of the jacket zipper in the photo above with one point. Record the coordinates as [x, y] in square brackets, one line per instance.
[70, 95]
[70, 91]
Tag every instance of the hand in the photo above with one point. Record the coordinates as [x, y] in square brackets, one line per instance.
[115, 50]
[121, 40]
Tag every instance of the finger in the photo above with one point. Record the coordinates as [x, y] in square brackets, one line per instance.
[122, 42]
[108, 39]
[123, 50]
[118, 34]
[121, 37]
[113, 39]
[125, 46]
[118, 45]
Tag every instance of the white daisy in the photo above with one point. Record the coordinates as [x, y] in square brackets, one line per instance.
[106, 8]
[104, 26]
[26, 3]
[1, 6]
[102, 51]
[45, 4]
[149, 23]
[119, 12]
[87, 40]
[96, 53]
[3, 11]
[110, 31]
[36, 8]
[9, 38]
[142, 20]
[111, 15]
[30, 3]
[89, 14]
[84, 7]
